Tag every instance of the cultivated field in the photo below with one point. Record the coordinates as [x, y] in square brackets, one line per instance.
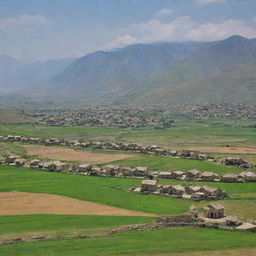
[20, 203]
[39, 203]
[66, 154]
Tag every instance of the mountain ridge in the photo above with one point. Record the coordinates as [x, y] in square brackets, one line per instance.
[160, 72]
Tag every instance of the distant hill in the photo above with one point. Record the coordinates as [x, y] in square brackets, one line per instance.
[16, 75]
[160, 73]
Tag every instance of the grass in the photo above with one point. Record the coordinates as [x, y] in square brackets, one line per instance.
[31, 223]
[169, 163]
[103, 190]
[95, 189]
[150, 242]
[152, 161]
[215, 132]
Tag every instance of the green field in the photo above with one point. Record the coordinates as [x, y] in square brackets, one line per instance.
[185, 134]
[25, 225]
[104, 190]
[110, 191]
[156, 242]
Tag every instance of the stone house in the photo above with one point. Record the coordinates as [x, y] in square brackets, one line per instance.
[84, 167]
[232, 221]
[140, 171]
[214, 211]
[177, 174]
[149, 186]
[192, 189]
[165, 189]
[34, 163]
[126, 171]
[208, 176]
[197, 196]
[177, 190]
[165, 175]
[211, 192]
[248, 176]
[193, 174]
[111, 170]
[230, 177]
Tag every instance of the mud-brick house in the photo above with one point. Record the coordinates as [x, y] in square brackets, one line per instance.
[248, 176]
[208, 176]
[177, 174]
[192, 189]
[197, 196]
[214, 211]
[140, 171]
[193, 174]
[84, 167]
[165, 175]
[165, 189]
[230, 177]
[111, 170]
[148, 186]
[177, 190]
[211, 192]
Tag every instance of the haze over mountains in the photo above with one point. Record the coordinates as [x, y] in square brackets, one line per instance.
[16, 75]
[220, 71]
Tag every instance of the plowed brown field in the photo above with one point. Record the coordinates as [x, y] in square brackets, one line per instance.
[19, 203]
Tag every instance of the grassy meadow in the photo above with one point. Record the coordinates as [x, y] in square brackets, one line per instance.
[154, 242]
[184, 134]
[106, 191]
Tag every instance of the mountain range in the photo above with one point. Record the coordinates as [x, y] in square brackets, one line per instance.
[16, 75]
[219, 71]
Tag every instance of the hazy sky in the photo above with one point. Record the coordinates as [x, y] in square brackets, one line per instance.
[45, 29]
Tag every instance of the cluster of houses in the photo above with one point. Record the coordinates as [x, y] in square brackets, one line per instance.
[150, 149]
[122, 171]
[84, 169]
[219, 110]
[192, 192]
[107, 117]
[196, 175]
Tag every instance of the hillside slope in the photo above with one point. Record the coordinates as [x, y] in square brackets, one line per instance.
[160, 72]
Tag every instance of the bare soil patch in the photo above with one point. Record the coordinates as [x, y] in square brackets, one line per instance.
[230, 150]
[19, 203]
[67, 154]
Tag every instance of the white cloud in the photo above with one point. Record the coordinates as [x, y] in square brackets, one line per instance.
[205, 2]
[164, 12]
[121, 41]
[182, 29]
[22, 21]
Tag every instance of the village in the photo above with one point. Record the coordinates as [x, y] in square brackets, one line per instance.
[148, 149]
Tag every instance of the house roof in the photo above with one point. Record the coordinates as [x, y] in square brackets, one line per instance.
[149, 182]
[178, 172]
[207, 174]
[164, 173]
[194, 171]
[230, 175]
[215, 206]
[209, 189]
[194, 188]
[178, 187]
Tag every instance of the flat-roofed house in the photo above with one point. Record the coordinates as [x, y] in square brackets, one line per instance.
[214, 211]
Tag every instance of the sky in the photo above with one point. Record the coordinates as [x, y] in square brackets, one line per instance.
[32, 30]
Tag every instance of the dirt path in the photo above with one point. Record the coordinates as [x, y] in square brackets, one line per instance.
[67, 154]
[19, 203]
